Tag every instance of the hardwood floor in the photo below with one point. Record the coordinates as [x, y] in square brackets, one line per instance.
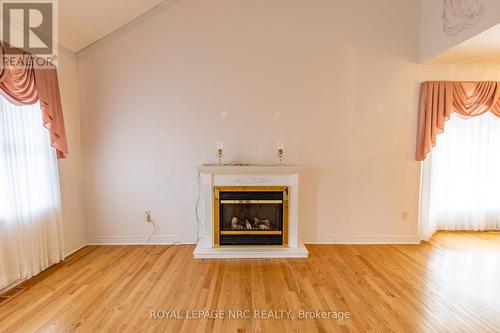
[451, 284]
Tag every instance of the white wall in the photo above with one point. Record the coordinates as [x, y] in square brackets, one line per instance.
[341, 74]
[459, 72]
[433, 40]
[70, 169]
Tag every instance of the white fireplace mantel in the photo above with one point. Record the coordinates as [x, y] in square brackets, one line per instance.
[248, 175]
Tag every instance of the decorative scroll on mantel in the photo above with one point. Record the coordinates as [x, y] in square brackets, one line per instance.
[27, 85]
[252, 180]
[439, 99]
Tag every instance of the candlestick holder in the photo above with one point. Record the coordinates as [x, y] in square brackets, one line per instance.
[280, 153]
[220, 154]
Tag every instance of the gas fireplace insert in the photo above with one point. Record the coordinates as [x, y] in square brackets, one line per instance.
[250, 215]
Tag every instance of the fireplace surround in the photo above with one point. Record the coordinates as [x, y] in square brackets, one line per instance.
[249, 212]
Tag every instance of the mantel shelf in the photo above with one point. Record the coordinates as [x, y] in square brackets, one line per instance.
[250, 169]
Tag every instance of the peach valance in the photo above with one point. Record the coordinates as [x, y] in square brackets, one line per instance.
[439, 99]
[27, 85]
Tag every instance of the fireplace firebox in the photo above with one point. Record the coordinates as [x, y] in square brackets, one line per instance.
[251, 215]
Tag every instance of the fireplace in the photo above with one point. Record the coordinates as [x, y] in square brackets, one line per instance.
[255, 193]
[250, 216]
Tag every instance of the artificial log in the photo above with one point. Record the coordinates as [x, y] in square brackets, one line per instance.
[258, 224]
[261, 224]
[236, 224]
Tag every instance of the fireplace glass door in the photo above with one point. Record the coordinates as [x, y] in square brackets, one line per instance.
[250, 216]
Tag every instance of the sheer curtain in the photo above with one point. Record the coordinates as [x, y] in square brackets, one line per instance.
[461, 177]
[30, 215]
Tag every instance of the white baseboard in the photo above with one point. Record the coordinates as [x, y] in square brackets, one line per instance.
[310, 239]
[130, 240]
[359, 239]
[72, 248]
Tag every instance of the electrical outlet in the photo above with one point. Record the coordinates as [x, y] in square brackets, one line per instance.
[147, 215]
[404, 215]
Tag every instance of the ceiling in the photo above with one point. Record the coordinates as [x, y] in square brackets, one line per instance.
[480, 49]
[82, 22]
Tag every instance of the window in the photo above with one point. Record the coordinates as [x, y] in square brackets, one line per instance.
[463, 175]
[30, 227]
[27, 162]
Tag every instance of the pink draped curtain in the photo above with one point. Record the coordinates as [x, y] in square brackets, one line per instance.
[439, 99]
[28, 85]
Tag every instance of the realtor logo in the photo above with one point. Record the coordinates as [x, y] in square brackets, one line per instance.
[30, 26]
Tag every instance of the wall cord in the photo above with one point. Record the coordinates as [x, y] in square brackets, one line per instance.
[149, 239]
[197, 203]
